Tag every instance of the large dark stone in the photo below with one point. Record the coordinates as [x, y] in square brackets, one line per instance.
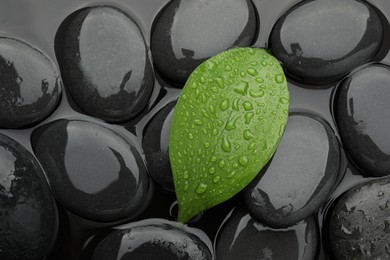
[186, 33]
[301, 175]
[323, 40]
[359, 222]
[93, 171]
[30, 84]
[105, 64]
[362, 109]
[155, 145]
[242, 237]
[152, 242]
[28, 215]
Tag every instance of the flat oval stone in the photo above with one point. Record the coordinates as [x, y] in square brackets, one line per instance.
[105, 64]
[30, 84]
[359, 223]
[362, 104]
[242, 237]
[28, 215]
[155, 145]
[300, 176]
[152, 242]
[322, 41]
[186, 33]
[93, 171]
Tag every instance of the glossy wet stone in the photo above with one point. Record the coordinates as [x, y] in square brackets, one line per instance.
[359, 222]
[28, 215]
[93, 171]
[362, 106]
[301, 175]
[104, 63]
[155, 145]
[322, 41]
[30, 84]
[186, 33]
[152, 242]
[243, 238]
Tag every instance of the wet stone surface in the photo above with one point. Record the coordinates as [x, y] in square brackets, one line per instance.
[30, 84]
[104, 63]
[322, 41]
[362, 108]
[301, 175]
[152, 242]
[187, 33]
[28, 216]
[155, 145]
[244, 238]
[359, 224]
[93, 171]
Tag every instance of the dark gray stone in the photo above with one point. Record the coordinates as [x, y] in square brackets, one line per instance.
[244, 238]
[105, 64]
[362, 109]
[93, 171]
[30, 85]
[28, 215]
[323, 40]
[186, 33]
[152, 242]
[359, 222]
[301, 175]
[155, 144]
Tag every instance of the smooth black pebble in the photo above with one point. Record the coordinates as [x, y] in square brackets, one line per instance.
[152, 242]
[28, 215]
[359, 223]
[322, 41]
[155, 144]
[362, 109]
[93, 171]
[301, 175]
[186, 33]
[242, 237]
[30, 84]
[105, 64]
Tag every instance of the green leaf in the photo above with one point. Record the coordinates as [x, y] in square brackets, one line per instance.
[226, 126]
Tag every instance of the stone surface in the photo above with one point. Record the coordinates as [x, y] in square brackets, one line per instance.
[28, 215]
[155, 144]
[152, 242]
[30, 84]
[362, 106]
[244, 238]
[322, 41]
[359, 223]
[301, 175]
[187, 33]
[93, 171]
[105, 64]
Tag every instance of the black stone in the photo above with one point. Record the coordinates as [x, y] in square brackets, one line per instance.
[30, 84]
[244, 238]
[186, 33]
[105, 64]
[93, 171]
[362, 109]
[28, 215]
[359, 223]
[155, 144]
[323, 40]
[152, 242]
[301, 175]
